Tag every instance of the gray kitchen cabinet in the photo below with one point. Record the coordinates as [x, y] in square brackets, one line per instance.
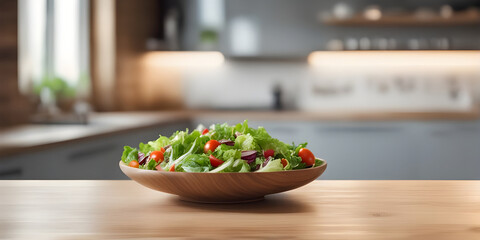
[354, 150]
[12, 169]
[385, 149]
[449, 150]
[95, 158]
[365, 151]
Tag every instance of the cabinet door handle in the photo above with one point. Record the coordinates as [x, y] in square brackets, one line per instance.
[85, 153]
[11, 173]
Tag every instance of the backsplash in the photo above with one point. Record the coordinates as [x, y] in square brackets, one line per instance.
[245, 84]
[336, 87]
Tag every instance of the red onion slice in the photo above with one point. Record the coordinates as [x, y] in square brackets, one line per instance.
[142, 159]
[227, 142]
[250, 156]
[266, 161]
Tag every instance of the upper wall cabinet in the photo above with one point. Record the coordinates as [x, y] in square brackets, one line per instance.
[295, 28]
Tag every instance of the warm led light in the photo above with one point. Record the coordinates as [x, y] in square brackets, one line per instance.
[182, 59]
[373, 14]
[396, 59]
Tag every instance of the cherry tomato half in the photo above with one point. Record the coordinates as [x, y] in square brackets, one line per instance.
[215, 161]
[307, 156]
[210, 146]
[284, 162]
[172, 168]
[205, 131]
[268, 153]
[133, 164]
[157, 156]
[162, 150]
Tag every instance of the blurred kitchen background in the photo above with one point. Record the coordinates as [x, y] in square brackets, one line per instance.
[380, 89]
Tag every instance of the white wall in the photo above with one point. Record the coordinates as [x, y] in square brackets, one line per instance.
[249, 84]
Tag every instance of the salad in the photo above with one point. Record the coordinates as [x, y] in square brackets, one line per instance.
[220, 148]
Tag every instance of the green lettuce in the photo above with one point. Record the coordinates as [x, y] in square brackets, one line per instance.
[246, 142]
[129, 154]
[272, 166]
[225, 152]
[295, 162]
[300, 146]
[194, 163]
[318, 162]
[157, 144]
[224, 167]
[240, 165]
[232, 165]
[150, 165]
[145, 148]
[178, 161]
[223, 131]
[242, 127]
[186, 150]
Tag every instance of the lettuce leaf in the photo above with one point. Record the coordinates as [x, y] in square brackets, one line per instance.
[151, 164]
[300, 146]
[318, 162]
[194, 163]
[240, 166]
[157, 144]
[223, 131]
[265, 141]
[225, 152]
[295, 162]
[272, 166]
[145, 148]
[246, 142]
[224, 167]
[178, 161]
[129, 154]
[232, 165]
[242, 127]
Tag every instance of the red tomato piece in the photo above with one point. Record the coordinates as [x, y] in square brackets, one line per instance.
[284, 162]
[268, 153]
[211, 146]
[172, 168]
[157, 156]
[205, 131]
[307, 156]
[215, 161]
[133, 164]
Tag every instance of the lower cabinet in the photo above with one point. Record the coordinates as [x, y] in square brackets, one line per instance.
[385, 149]
[85, 159]
[353, 150]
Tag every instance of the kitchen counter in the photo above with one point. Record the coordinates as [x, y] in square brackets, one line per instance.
[39, 136]
[320, 210]
[35, 136]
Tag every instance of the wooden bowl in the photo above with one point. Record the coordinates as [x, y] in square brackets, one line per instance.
[223, 187]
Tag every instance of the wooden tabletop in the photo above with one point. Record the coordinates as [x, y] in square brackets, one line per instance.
[320, 210]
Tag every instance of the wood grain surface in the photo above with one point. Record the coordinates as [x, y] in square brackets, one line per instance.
[320, 210]
[223, 187]
[14, 108]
